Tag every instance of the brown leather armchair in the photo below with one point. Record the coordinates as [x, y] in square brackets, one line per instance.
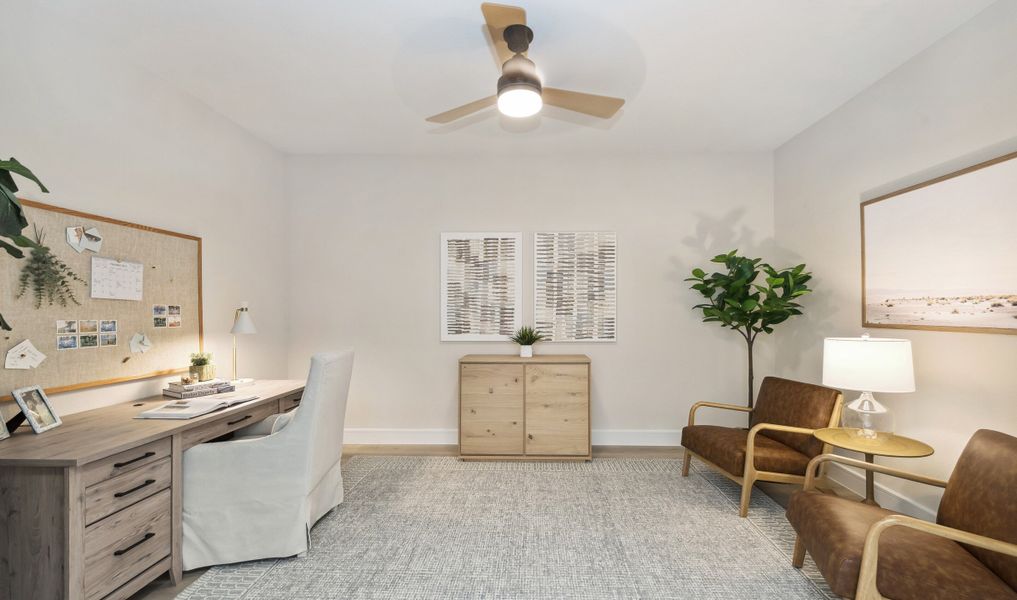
[970, 552]
[779, 444]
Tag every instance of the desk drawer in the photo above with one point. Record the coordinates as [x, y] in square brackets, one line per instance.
[230, 422]
[126, 543]
[289, 403]
[107, 497]
[135, 458]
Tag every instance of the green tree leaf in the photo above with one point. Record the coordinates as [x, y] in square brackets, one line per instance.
[14, 166]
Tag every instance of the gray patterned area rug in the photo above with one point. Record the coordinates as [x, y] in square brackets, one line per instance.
[434, 527]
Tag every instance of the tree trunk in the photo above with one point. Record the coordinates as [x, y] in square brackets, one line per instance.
[749, 341]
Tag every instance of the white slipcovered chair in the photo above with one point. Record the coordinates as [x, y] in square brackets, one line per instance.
[258, 497]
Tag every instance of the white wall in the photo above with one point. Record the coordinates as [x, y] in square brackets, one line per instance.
[365, 273]
[109, 139]
[951, 106]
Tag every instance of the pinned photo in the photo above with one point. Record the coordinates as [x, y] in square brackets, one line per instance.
[107, 339]
[173, 321]
[107, 326]
[88, 341]
[67, 342]
[65, 327]
[88, 326]
[159, 310]
[82, 239]
[159, 321]
[174, 309]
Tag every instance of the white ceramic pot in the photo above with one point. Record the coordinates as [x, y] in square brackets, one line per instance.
[526, 351]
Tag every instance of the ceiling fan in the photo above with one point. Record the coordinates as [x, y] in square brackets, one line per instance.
[520, 91]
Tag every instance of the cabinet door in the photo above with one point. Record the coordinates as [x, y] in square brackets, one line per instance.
[558, 410]
[491, 409]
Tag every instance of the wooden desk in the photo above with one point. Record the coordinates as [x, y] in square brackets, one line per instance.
[93, 508]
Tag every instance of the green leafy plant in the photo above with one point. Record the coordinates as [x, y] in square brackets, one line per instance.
[200, 359]
[48, 276]
[527, 336]
[735, 300]
[12, 216]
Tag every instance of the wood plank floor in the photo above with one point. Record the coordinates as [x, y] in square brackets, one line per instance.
[163, 590]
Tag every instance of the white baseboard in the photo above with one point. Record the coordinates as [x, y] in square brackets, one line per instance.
[888, 498]
[637, 437]
[601, 437]
[378, 436]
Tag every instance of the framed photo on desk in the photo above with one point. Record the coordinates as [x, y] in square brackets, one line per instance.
[36, 408]
[4, 434]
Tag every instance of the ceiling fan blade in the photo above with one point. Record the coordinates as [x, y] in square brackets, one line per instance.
[498, 17]
[590, 104]
[461, 111]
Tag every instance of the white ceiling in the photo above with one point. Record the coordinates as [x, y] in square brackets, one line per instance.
[317, 76]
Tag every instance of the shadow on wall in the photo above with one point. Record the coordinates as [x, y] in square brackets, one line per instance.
[714, 235]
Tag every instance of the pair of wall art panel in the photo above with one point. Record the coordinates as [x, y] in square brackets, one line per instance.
[574, 292]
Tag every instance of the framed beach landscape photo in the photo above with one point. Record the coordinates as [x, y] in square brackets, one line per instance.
[940, 255]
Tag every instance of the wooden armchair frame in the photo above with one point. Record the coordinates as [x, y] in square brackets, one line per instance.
[751, 474]
[866, 588]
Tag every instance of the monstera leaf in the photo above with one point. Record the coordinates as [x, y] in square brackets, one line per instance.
[12, 215]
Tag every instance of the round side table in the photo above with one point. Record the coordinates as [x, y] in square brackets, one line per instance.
[886, 444]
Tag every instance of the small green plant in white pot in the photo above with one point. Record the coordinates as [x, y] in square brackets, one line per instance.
[526, 337]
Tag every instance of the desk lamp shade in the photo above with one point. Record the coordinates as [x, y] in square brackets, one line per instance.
[242, 324]
[242, 321]
[868, 365]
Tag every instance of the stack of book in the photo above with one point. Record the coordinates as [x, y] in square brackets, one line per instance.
[197, 390]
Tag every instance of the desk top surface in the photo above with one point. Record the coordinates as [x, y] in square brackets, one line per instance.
[94, 434]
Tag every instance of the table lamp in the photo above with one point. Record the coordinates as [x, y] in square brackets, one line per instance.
[242, 324]
[868, 365]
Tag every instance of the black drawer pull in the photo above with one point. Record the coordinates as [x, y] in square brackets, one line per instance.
[147, 483]
[147, 537]
[241, 420]
[133, 460]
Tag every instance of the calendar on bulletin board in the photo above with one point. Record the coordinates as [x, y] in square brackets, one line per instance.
[107, 302]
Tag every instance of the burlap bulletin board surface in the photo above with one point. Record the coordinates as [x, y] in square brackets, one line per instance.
[171, 277]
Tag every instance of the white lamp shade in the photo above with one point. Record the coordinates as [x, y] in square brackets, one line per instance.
[243, 323]
[868, 364]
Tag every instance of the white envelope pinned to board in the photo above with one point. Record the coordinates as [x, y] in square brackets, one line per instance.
[24, 356]
[140, 343]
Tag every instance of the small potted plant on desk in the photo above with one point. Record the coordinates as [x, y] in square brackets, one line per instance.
[201, 366]
[526, 337]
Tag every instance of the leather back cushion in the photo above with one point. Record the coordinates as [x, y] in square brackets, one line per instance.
[980, 497]
[786, 402]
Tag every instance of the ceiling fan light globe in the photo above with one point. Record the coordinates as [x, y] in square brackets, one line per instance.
[519, 102]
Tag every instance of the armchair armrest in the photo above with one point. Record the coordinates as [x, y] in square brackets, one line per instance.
[866, 589]
[750, 443]
[698, 405]
[810, 471]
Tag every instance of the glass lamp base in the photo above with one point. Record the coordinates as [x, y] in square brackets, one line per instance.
[868, 416]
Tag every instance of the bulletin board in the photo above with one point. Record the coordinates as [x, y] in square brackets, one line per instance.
[149, 285]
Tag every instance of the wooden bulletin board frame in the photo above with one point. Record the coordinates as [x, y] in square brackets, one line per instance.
[102, 381]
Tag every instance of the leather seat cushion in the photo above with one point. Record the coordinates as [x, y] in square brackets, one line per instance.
[913, 565]
[725, 447]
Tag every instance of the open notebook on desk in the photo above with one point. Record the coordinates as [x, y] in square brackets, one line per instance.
[195, 407]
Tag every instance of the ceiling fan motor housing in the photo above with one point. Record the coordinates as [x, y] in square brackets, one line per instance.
[519, 71]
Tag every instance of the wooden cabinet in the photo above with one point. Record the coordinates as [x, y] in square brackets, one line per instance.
[524, 408]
